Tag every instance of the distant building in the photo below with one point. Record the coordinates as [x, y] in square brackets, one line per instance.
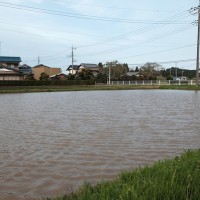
[181, 78]
[10, 75]
[60, 76]
[9, 62]
[94, 68]
[73, 69]
[37, 70]
[131, 74]
[25, 69]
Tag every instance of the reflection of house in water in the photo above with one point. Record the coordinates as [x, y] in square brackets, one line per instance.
[10, 75]
[9, 62]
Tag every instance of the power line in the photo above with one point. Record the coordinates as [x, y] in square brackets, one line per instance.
[191, 45]
[169, 62]
[114, 7]
[140, 30]
[140, 43]
[81, 16]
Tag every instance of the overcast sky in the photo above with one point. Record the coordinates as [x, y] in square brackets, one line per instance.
[129, 31]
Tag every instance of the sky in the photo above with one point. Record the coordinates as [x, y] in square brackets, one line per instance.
[129, 31]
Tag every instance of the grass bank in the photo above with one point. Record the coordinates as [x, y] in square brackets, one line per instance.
[174, 179]
[27, 89]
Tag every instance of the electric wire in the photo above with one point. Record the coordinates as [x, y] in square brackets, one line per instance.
[125, 47]
[82, 16]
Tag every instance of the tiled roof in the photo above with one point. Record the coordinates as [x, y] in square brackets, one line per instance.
[9, 72]
[41, 65]
[88, 65]
[75, 67]
[8, 59]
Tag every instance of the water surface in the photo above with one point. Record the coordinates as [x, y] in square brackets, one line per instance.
[51, 142]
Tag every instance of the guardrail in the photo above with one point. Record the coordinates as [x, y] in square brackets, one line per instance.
[153, 82]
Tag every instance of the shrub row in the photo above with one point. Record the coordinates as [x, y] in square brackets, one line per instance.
[47, 83]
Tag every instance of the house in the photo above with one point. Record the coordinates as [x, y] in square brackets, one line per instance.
[25, 69]
[60, 76]
[136, 74]
[10, 75]
[181, 78]
[9, 62]
[73, 69]
[37, 70]
[94, 68]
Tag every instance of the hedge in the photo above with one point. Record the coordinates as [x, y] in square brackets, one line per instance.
[47, 83]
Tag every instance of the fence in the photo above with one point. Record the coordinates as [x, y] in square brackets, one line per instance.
[153, 82]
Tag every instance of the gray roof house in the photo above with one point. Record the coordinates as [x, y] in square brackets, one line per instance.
[132, 73]
[25, 69]
[90, 66]
[74, 69]
[94, 68]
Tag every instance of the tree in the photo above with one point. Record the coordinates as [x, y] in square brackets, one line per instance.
[137, 69]
[70, 77]
[101, 78]
[85, 75]
[100, 67]
[117, 70]
[44, 76]
[30, 77]
[150, 70]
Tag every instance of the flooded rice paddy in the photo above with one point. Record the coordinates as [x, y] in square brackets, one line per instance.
[50, 143]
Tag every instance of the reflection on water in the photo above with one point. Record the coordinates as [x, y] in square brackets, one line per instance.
[52, 142]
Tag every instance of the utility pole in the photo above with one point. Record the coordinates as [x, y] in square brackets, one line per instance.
[72, 55]
[198, 38]
[196, 10]
[176, 69]
[0, 49]
[110, 65]
[38, 60]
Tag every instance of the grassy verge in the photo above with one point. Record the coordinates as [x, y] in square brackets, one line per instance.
[175, 179]
[26, 89]
[180, 87]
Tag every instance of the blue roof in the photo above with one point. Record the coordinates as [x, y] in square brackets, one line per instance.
[8, 59]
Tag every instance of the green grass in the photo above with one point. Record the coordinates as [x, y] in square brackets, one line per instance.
[27, 89]
[175, 179]
[180, 87]
[24, 89]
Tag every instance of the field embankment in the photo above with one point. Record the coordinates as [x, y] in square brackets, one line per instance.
[176, 178]
[27, 89]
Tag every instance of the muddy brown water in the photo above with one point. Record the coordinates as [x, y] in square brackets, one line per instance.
[50, 143]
